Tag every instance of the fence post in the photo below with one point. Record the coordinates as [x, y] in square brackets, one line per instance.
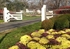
[43, 13]
[5, 15]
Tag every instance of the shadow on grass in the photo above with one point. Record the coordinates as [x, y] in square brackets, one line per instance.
[3, 37]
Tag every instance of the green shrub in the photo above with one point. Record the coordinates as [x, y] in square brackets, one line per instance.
[67, 16]
[53, 19]
[61, 23]
[57, 22]
[47, 24]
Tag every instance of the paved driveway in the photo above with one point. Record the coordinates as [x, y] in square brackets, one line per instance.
[11, 25]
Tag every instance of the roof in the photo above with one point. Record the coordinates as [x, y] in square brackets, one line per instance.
[64, 7]
[1, 11]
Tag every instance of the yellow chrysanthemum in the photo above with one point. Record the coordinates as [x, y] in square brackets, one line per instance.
[61, 32]
[14, 47]
[36, 34]
[41, 31]
[60, 39]
[67, 30]
[25, 39]
[51, 30]
[43, 40]
[36, 38]
[50, 37]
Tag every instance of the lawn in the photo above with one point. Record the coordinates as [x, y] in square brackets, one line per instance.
[9, 39]
[30, 17]
[1, 21]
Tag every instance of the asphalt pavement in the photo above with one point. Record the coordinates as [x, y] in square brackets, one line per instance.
[11, 25]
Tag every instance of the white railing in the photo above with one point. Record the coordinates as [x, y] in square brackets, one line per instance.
[7, 15]
[49, 14]
[17, 15]
[30, 11]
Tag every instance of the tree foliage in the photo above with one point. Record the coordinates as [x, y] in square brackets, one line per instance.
[12, 5]
[54, 4]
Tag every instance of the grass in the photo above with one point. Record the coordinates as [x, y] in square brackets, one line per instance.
[1, 21]
[30, 17]
[11, 38]
[1, 36]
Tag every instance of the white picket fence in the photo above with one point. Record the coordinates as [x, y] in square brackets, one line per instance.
[30, 11]
[46, 15]
[33, 11]
[49, 14]
[7, 15]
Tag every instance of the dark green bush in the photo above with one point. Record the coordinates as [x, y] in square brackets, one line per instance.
[54, 18]
[67, 16]
[61, 23]
[47, 24]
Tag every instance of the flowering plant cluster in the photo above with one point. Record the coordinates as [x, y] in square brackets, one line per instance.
[50, 39]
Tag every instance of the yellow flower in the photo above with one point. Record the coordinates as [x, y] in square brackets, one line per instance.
[33, 44]
[50, 37]
[67, 30]
[60, 39]
[51, 30]
[41, 31]
[66, 36]
[25, 39]
[48, 32]
[41, 47]
[36, 38]
[54, 33]
[43, 40]
[14, 47]
[36, 34]
[61, 32]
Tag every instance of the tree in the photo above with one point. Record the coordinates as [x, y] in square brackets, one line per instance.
[3, 3]
[13, 5]
[25, 2]
[54, 4]
[40, 3]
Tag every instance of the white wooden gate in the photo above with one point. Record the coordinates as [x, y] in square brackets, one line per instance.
[7, 15]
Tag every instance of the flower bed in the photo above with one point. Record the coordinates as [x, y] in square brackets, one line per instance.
[50, 39]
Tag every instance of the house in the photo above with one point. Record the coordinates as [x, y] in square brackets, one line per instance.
[62, 10]
[1, 14]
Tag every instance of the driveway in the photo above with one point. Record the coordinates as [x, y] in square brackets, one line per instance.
[16, 24]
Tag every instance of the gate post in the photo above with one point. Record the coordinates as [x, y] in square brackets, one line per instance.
[5, 14]
[43, 13]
